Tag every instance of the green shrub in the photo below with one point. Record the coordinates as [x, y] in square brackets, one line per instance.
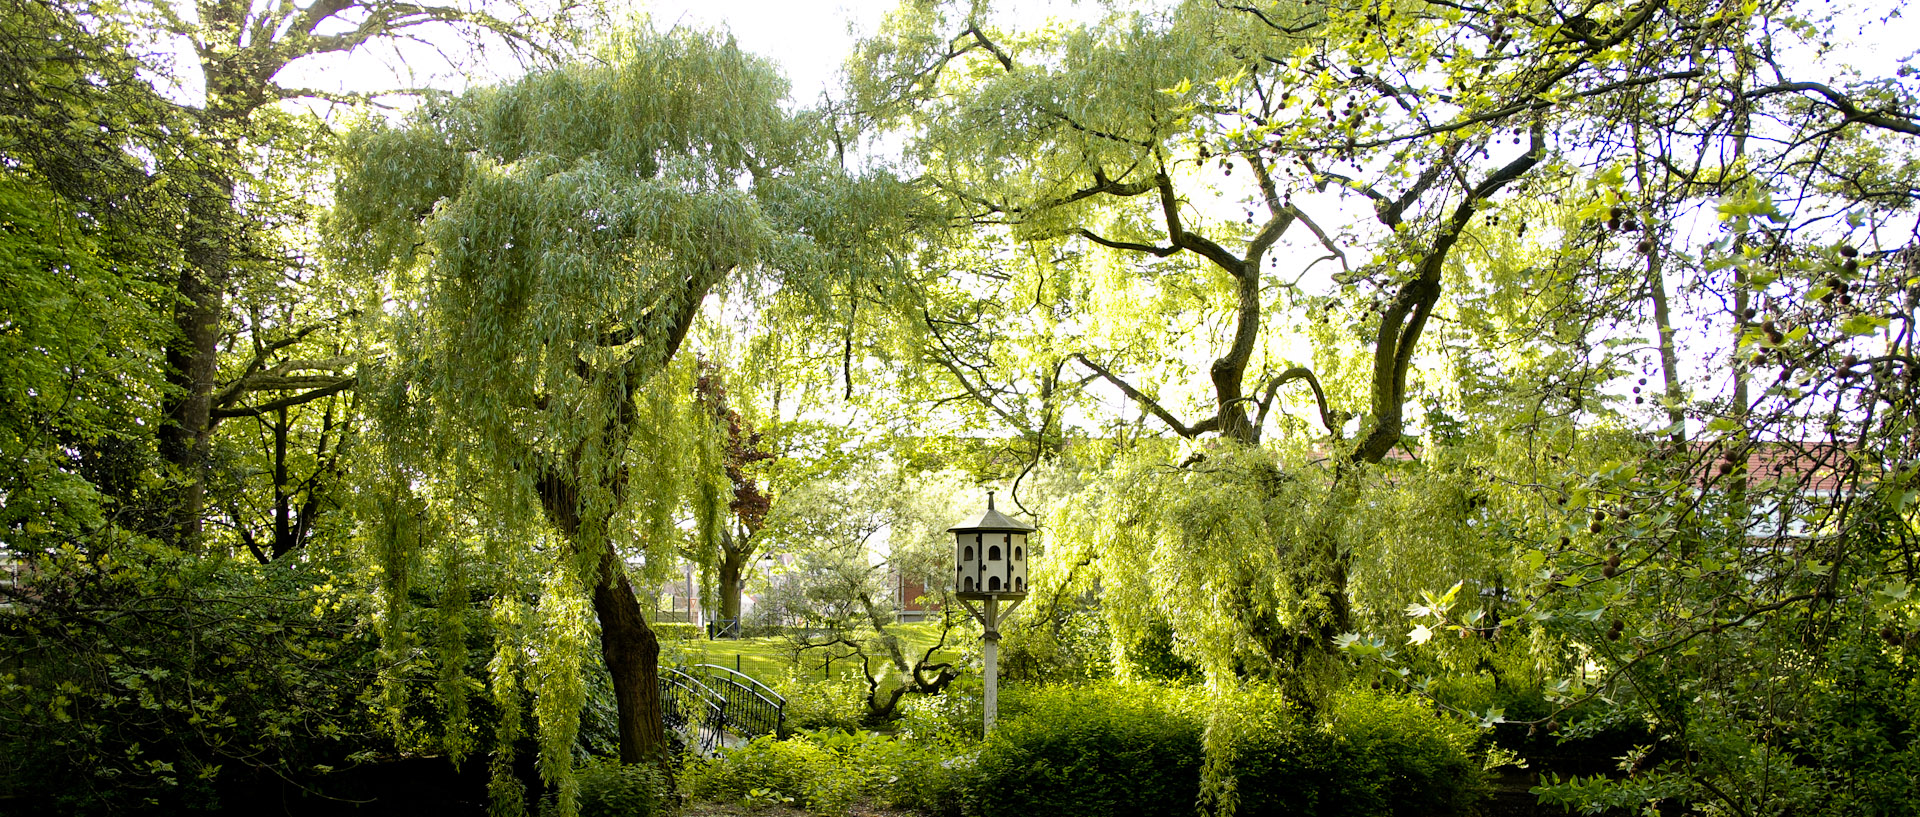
[1113, 748]
[930, 777]
[1397, 756]
[1281, 763]
[1137, 749]
[1096, 750]
[814, 705]
[609, 788]
[767, 770]
[154, 680]
[827, 772]
[955, 715]
[679, 631]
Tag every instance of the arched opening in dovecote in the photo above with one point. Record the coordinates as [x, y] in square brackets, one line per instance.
[1020, 584]
[1019, 553]
[993, 583]
[967, 555]
[993, 553]
[969, 587]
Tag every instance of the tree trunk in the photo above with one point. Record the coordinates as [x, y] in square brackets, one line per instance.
[628, 646]
[193, 355]
[732, 572]
[1229, 372]
[632, 653]
[1674, 393]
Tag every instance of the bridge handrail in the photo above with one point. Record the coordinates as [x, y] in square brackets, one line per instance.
[747, 681]
[684, 678]
[753, 708]
[715, 704]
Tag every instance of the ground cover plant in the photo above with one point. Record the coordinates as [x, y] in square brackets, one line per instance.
[1133, 748]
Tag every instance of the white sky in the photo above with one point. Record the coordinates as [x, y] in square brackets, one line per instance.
[809, 38]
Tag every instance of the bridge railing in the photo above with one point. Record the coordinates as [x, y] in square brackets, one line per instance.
[753, 708]
[707, 703]
[692, 709]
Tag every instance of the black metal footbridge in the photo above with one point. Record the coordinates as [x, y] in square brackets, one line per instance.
[711, 706]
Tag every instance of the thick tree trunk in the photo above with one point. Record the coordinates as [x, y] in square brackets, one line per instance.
[193, 355]
[732, 581]
[632, 653]
[627, 645]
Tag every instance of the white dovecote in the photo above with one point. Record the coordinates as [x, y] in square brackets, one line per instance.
[990, 555]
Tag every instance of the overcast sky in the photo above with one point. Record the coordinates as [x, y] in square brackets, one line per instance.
[809, 39]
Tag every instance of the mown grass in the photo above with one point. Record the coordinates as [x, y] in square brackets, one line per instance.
[770, 658]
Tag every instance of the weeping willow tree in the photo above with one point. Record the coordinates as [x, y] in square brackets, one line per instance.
[546, 247]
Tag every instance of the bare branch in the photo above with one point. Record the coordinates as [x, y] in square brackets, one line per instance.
[1319, 397]
[1151, 405]
[1887, 119]
[287, 402]
[1127, 245]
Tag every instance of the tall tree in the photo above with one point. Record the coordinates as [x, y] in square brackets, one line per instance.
[1496, 150]
[83, 247]
[553, 241]
[742, 453]
[237, 210]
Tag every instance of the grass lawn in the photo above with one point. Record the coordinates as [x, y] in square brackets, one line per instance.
[771, 658]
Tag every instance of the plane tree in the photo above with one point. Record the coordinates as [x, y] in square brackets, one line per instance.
[1092, 156]
[1538, 201]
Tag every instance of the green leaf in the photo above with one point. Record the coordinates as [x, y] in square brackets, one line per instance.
[1863, 325]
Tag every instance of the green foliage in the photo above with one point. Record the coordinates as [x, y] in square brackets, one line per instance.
[611, 789]
[827, 771]
[79, 373]
[148, 679]
[1247, 552]
[679, 631]
[816, 704]
[1398, 756]
[1862, 732]
[1152, 657]
[1051, 646]
[1837, 739]
[1375, 755]
[1264, 757]
[1093, 750]
[85, 240]
[954, 716]
[1138, 748]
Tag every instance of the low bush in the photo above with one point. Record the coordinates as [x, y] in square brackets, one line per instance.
[955, 715]
[609, 788]
[1095, 750]
[679, 631]
[814, 705]
[1397, 756]
[1137, 749]
[1279, 762]
[766, 770]
[1118, 748]
[826, 772]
